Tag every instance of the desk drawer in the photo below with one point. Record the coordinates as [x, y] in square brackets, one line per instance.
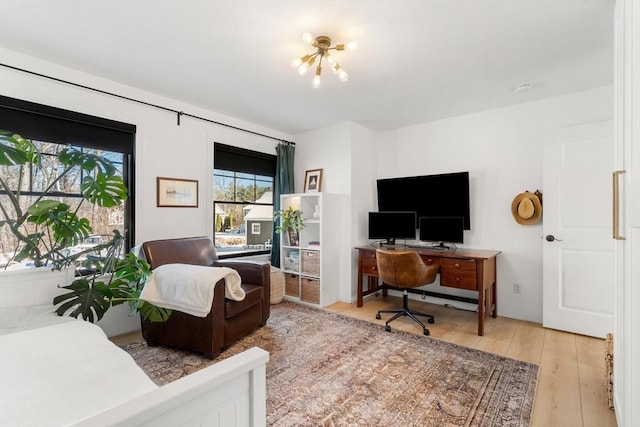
[430, 260]
[458, 273]
[369, 263]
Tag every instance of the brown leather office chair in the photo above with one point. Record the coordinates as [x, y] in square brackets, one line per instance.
[404, 270]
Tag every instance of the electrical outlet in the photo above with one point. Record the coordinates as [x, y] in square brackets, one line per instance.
[516, 288]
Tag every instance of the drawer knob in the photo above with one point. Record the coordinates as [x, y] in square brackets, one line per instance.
[456, 265]
[457, 280]
[429, 261]
[374, 268]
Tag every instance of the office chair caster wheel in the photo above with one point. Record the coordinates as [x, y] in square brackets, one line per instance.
[425, 331]
[432, 321]
[387, 328]
[378, 316]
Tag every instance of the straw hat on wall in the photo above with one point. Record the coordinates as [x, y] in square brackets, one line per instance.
[526, 208]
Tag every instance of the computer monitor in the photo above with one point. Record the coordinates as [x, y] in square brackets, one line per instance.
[390, 226]
[441, 229]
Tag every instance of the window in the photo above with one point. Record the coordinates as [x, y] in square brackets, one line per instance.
[32, 183]
[53, 129]
[243, 201]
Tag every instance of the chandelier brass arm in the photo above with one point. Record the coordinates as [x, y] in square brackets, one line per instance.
[323, 46]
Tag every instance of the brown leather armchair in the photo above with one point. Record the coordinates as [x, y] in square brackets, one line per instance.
[228, 320]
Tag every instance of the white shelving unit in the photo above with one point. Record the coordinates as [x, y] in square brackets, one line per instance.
[309, 276]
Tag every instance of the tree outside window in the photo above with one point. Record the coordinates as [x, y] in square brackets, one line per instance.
[33, 181]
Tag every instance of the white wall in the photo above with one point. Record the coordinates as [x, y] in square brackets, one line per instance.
[502, 150]
[363, 197]
[162, 147]
[329, 149]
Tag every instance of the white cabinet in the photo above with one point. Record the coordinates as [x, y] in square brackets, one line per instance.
[310, 268]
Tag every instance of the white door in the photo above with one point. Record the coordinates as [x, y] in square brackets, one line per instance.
[578, 249]
[626, 342]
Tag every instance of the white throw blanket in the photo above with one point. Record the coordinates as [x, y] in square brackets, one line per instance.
[189, 288]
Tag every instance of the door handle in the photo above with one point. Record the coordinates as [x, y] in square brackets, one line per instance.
[616, 205]
[551, 238]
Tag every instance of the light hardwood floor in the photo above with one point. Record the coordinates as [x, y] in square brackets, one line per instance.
[571, 382]
[571, 388]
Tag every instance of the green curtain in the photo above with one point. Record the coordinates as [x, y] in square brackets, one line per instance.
[284, 184]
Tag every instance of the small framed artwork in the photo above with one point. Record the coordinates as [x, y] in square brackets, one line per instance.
[313, 181]
[177, 193]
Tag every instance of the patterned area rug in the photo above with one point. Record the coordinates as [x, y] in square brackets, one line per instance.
[328, 369]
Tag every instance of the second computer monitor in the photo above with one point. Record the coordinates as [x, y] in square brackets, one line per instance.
[444, 229]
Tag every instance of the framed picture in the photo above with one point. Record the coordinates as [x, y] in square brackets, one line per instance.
[177, 193]
[313, 181]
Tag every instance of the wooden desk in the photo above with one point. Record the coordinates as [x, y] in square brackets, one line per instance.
[470, 269]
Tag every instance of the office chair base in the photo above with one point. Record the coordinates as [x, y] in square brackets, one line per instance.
[406, 311]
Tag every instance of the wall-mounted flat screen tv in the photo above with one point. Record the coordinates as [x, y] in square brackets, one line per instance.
[441, 195]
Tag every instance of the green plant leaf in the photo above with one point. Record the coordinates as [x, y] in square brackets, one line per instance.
[16, 150]
[24, 253]
[153, 313]
[86, 299]
[86, 161]
[104, 190]
[30, 242]
[121, 292]
[67, 228]
[43, 207]
[134, 270]
[289, 218]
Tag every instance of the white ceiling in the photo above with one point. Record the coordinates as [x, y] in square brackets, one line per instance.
[417, 61]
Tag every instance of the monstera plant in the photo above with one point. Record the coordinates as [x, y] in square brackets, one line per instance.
[44, 229]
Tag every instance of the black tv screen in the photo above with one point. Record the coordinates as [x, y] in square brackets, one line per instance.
[448, 229]
[392, 225]
[427, 195]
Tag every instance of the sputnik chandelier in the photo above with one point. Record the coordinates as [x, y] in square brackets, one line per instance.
[323, 46]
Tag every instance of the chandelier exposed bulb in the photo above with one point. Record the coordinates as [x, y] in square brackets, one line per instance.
[342, 74]
[307, 38]
[305, 63]
[316, 79]
[323, 46]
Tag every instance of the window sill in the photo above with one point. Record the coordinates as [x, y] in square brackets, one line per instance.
[242, 254]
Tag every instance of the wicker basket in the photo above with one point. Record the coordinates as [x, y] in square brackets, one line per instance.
[310, 290]
[291, 285]
[292, 263]
[277, 285]
[310, 263]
